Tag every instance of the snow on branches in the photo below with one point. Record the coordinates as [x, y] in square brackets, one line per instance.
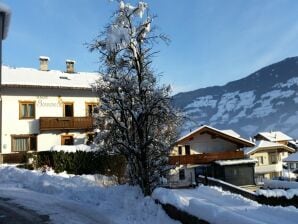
[136, 118]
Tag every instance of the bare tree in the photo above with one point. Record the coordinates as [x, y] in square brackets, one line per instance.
[136, 118]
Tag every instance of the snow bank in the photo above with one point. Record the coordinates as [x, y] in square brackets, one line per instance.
[217, 206]
[72, 148]
[291, 185]
[122, 204]
[278, 193]
[280, 184]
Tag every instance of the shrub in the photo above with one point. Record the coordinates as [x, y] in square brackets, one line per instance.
[81, 162]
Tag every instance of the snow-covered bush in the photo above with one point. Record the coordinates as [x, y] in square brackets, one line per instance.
[81, 162]
[136, 118]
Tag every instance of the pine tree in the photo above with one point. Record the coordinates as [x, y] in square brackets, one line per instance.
[136, 118]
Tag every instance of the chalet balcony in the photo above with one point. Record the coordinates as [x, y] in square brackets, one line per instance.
[65, 123]
[205, 157]
[268, 168]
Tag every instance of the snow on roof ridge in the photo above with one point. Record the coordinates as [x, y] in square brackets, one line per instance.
[217, 130]
[6, 10]
[71, 61]
[275, 135]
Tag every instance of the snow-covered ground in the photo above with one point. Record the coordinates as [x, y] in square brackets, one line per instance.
[79, 199]
[217, 206]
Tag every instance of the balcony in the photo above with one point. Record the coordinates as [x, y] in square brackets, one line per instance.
[268, 168]
[65, 123]
[205, 157]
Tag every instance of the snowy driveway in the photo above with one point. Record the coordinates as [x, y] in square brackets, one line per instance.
[11, 213]
[79, 199]
[60, 210]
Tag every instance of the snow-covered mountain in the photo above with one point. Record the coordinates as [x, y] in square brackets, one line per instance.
[263, 101]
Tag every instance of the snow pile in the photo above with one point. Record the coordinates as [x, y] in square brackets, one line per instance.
[278, 193]
[72, 148]
[280, 184]
[81, 197]
[216, 206]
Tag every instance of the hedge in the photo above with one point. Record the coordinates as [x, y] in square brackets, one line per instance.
[81, 162]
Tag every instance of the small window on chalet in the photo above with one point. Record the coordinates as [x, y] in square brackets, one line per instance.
[260, 160]
[23, 143]
[26, 110]
[273, 159]
[187, 149]
[179, 150]
[182, 174]
[68, 110]
[91, 108]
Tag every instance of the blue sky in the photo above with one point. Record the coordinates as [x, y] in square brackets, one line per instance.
[212, 41]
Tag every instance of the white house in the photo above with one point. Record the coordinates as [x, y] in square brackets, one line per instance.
[269, 156]
[211, 150]
[42, 108]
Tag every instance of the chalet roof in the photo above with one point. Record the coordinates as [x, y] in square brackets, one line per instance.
[261, 145]
[291, 158]
[6, 11]
[225, 134]
[29, 77]
[275, 136]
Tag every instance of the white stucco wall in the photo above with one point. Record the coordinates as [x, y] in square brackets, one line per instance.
[205, 144]
[48, 103]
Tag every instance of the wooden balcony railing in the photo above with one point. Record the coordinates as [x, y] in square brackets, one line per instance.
[205, 157]
[65, 123]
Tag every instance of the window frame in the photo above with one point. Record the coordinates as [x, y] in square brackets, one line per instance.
[29, 137]
[93, 104]
[27, 103]
[182, 174]
[187, 149]
[179, 150]
[68, 103]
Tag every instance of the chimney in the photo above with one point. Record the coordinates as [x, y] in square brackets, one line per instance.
[70, 66]
[44, 63]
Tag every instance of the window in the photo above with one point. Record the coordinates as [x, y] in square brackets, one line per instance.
[68, 109]
[179, 150]
[22, 143]
[292, 166]
[260, 160]
[181, 174]
[272, 158]
[187, 149]
[26, 110]
[66, 140]
[91, 109]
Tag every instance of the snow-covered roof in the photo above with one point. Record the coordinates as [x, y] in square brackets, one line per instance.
[235, 162]
[225, 134]
[29, 77]
[6, 11]
[261, 145]
[275, 136]
[291, 158]
[231, 132]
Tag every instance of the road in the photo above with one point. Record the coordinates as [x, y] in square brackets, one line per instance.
[11, 213]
